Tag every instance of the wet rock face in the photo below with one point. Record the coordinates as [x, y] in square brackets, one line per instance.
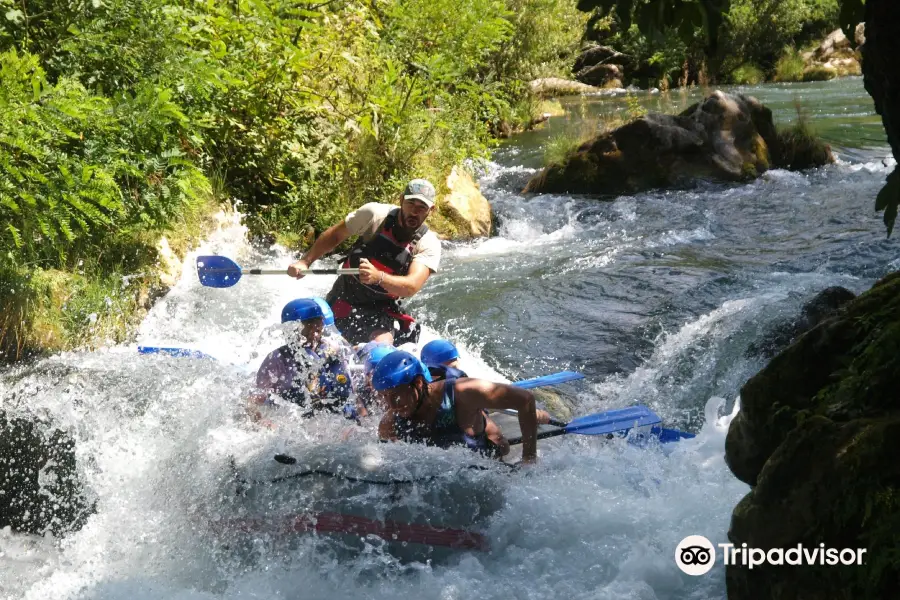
[822, 306]
[726, 137]
[40, 491]
[818, 437]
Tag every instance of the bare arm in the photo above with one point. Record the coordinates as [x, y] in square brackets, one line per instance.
[386, 427]
[325, 243]
[475, 394]
[399, 285]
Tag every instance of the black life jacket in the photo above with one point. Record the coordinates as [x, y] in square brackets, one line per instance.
[386, 254]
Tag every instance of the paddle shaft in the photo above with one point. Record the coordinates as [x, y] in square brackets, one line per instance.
[515, 413]
[284, 271]
[547, 434]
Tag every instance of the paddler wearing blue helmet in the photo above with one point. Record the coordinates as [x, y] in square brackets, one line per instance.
[451, 412]
[304, 371]
[442, 359]
[331, 337]
[370, 355]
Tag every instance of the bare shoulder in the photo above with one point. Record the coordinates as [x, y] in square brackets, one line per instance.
[465, 385]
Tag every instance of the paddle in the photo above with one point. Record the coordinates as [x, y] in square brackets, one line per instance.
[545, 380]
[222, 272]
[620, 420]
[178, 352]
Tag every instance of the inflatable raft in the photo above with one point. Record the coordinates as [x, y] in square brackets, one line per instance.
[414, 503]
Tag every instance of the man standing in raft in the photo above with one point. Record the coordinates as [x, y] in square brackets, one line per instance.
[395, 253]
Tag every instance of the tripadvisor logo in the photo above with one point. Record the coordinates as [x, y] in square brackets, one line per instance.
[696, 555]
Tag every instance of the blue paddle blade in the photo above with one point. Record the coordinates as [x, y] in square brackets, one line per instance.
[178, 352]
[554, 379]
[217, 271]
[613, 421]
[670, 435]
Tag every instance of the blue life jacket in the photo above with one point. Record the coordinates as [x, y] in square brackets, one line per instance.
[332, 388]
[440, 372]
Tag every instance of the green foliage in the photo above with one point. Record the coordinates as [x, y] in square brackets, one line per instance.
[76, 167]
[546, 39]
[799, 146]
[758, 30]
[747, 74]
[790, 65]
[560, 146]
[655, 18]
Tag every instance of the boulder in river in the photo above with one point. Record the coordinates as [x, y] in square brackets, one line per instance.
[823, 305]
[817, 438]
[465, 206]
[725, 137]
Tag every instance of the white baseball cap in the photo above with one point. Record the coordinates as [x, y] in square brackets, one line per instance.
[420, 189]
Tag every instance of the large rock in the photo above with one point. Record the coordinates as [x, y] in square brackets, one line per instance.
[465, 206]
[833, 42]
[823, 305]
[818, 437]
[725, 137]
[556, 86]
[600, 75]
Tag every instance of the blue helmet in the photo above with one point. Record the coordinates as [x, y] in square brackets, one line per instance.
[301, 309]
[363, 352]
[375, 354]
[398, 368]
[437, 352]
[327, 314]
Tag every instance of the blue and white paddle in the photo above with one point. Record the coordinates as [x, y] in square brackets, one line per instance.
[222, 272]
[619, 420]
[545, 380]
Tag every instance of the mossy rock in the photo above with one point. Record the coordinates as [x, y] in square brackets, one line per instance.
[817, 437]
[798, 148]
[723, 138]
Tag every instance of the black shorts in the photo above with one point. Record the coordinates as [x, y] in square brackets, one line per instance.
[358, 327]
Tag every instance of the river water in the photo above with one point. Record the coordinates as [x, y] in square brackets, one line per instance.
[656, 298]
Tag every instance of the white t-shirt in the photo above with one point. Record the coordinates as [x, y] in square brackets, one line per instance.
[366, 221]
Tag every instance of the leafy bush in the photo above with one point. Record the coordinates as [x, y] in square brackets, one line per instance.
[545, 39]
[799, 147]
[819, 73]
[77, 168]
[747, 74]
[756, 31]
[790, 66]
